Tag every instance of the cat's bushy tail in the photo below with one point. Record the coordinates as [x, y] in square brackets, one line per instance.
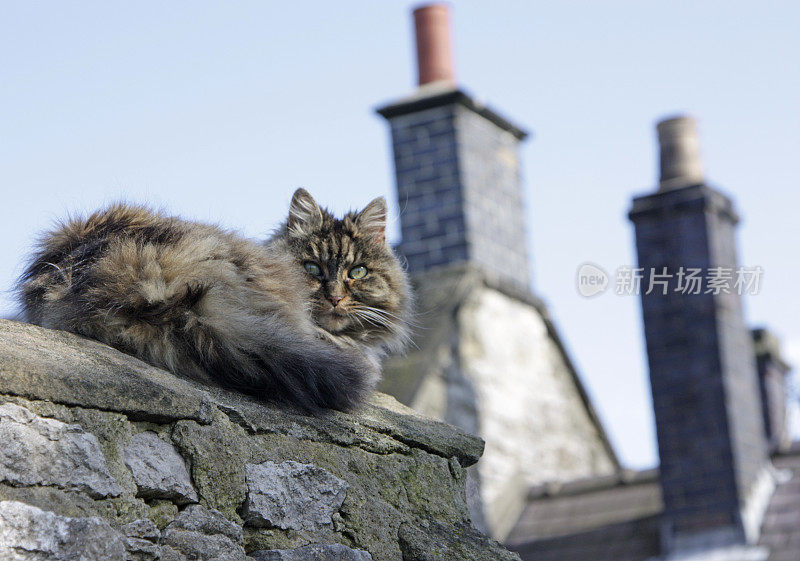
[260, 356]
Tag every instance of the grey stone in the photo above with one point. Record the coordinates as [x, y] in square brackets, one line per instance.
[198, 518]
[169, 554]
[217, 454]
[140, 539]
[142, 550]
[204, 535]
[334, 428]
[292, 495]
[40, 451]
[141, 528]
[387, 416]
[431, 541]
[201, 547]
[38, 363]
[381, 426]
[28, 533]
[158, 469]
[316, 552]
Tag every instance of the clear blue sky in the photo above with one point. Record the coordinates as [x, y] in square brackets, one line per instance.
[218, 111]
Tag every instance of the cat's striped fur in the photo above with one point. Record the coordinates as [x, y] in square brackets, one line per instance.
[208, 304]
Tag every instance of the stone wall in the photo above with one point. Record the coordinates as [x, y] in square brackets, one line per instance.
[106, 458]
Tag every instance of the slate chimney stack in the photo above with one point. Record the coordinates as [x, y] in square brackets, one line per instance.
[773, 374]
[457, 169]
[715, 471]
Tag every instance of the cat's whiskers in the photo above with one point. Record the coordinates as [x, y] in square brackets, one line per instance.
[372, 322]
[372, 318]
[389, 314]
[355, 317]
[377, 311]
[368, 314]
[391, 325]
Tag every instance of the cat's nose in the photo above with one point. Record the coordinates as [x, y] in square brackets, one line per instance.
[333, 299]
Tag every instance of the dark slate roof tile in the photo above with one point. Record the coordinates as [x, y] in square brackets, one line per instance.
[580, 506]
[635, 540]
[781, 528]
[618, 519]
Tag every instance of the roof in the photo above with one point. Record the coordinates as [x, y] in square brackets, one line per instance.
[434, 95]
[636, 540]
[781, 528]
[439, 293]
[578, 506]
[618, 518]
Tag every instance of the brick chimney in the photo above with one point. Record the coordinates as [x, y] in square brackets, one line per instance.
[715, 472]
[457, 168]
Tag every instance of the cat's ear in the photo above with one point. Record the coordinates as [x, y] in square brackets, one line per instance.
[305, 216]
[372, 220]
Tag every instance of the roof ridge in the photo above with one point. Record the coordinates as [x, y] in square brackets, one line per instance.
[624, 477]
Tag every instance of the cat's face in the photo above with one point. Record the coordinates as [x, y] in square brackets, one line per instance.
[359, 288]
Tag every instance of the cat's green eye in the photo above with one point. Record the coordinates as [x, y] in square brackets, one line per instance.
[312, 269]
[358, 272]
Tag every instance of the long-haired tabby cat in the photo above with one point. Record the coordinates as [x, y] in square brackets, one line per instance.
[302, 319]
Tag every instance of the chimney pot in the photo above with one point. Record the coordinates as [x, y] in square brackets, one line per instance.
[679, 153]
[434, 52]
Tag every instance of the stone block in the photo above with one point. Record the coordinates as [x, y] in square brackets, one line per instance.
[141, 550]
[40, 451]
[291, 495]
[197, 518]
[142, 528]
[55, 366]
[158, 469]
[204, 534]
[28, 533]
[431, 541]
[316, 552]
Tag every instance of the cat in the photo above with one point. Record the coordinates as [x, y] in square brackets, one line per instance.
[302, 319]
